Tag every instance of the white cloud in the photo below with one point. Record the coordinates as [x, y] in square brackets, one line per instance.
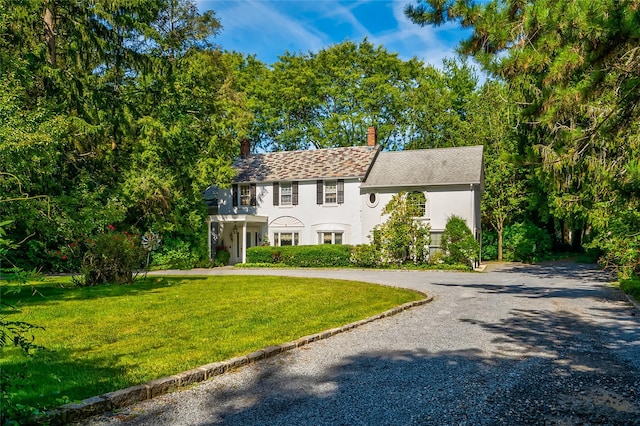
[426, 43]
[268, 28]
[256, 26]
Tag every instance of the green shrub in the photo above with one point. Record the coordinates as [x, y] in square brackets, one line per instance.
[174, 254]
[325, 255]
[525, 242]
[111, 257]
[365, 255]
[458, 243]
[522, 242]
[437, 258]
[490, 245]
[222, 257]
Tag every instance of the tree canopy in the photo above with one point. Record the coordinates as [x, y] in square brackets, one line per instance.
[120, 112]
[573, 70]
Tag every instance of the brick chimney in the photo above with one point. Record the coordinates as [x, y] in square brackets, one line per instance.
[245, 147]
[372, 136]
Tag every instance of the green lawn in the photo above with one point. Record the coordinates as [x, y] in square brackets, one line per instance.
[101, 339]
[631, 286]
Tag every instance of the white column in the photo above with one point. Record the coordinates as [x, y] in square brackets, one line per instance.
[244, 242]
[209, 235]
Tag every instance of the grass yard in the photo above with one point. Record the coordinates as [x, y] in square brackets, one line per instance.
[101, 339]
[631, 286]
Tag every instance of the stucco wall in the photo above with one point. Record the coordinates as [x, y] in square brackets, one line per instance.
[314, 217]
[442, 202]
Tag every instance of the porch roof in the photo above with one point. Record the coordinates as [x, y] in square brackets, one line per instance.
[238, 218]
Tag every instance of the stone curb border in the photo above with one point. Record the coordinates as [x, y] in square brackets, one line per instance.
[118, 399]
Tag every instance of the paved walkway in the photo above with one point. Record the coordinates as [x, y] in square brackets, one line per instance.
[546, 344]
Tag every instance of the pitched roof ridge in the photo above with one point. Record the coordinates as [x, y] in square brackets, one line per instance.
[359, 147]
[445, 148]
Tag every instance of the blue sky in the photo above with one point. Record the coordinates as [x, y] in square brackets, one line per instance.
[268, 28]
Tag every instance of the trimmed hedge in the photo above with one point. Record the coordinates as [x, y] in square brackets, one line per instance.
[324, 255]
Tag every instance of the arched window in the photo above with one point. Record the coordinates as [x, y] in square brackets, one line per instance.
[417, 203]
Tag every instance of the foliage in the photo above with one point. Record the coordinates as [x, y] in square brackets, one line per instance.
[329, 98]
[573, 69]
[402, 238]
[490, 246]
[621, 243]
[504, 178]
[222, 257]
[365, 256]
[631, 285]
[129, 135]
[523, 242]
[198, 320]
[458, 243]
[319, 256]
[527, 242]
[111, 258]
[174, 254]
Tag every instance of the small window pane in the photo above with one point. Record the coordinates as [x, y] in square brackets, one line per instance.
[338, 238]
[286, 240]
[372, 198]
[245, 195]
[285, 194]
[326, 239]
[417, 203]
[330, 192]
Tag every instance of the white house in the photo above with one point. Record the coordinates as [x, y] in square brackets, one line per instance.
[336, 195]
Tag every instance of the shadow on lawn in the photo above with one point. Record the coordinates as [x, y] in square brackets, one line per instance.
[52, 378]
[548, 367]
[51, 293]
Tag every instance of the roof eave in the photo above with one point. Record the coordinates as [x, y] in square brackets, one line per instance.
[415, 185]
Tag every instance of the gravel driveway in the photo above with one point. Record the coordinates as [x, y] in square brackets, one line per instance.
[544, 344]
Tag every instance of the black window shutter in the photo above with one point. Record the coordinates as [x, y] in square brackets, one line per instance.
[276, 194]
[340, 191]
[234, 194]
[294, 193]
[320, 191]
[252, 189]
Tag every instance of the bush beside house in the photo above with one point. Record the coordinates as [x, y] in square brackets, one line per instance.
[301, 256]
[458, 243]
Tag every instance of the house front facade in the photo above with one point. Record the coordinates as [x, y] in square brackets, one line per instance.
[336, 196]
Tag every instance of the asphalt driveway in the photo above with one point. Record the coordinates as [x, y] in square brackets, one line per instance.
[544, 344]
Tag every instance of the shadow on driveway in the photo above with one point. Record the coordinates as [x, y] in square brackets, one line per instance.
[550, 368]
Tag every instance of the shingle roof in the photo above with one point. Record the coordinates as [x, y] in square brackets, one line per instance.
[300, 165]
[426, 167]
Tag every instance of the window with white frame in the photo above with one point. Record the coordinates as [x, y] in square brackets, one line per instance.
[330, 192]
[285, 194]
[332, 237]
[245, 195]
[436, 241]
[417, 202]
[286, 239]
